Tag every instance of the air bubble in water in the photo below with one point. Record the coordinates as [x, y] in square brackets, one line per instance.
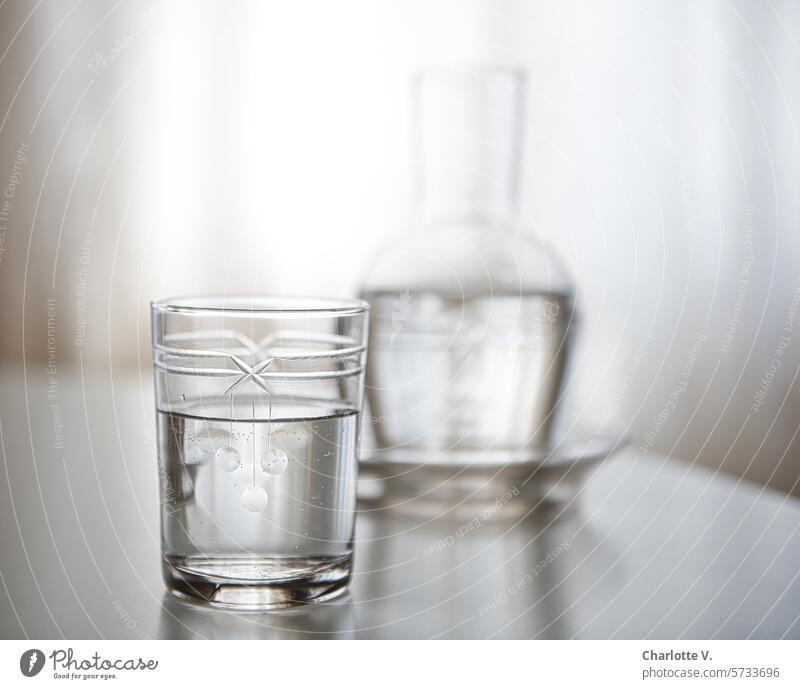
[254, 499]
[195, 457]
[228, 458]
[274, 461]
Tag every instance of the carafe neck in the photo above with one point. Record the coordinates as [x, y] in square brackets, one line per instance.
[468, 133]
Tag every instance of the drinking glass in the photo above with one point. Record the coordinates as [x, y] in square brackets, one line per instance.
[258, 403]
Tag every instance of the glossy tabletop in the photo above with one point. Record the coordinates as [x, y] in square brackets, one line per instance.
[650, 547]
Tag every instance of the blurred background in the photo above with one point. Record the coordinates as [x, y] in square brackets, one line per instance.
[152, 149]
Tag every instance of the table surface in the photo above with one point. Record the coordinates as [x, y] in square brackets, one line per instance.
[652, 547]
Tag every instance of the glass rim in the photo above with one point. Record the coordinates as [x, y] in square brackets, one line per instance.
[261, 305]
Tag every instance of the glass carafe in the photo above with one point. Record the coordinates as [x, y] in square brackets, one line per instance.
[471, 316]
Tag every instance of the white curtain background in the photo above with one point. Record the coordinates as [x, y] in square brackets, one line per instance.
[207, 146]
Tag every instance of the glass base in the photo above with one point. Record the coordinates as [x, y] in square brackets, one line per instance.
[462, 482]
[257, 583]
